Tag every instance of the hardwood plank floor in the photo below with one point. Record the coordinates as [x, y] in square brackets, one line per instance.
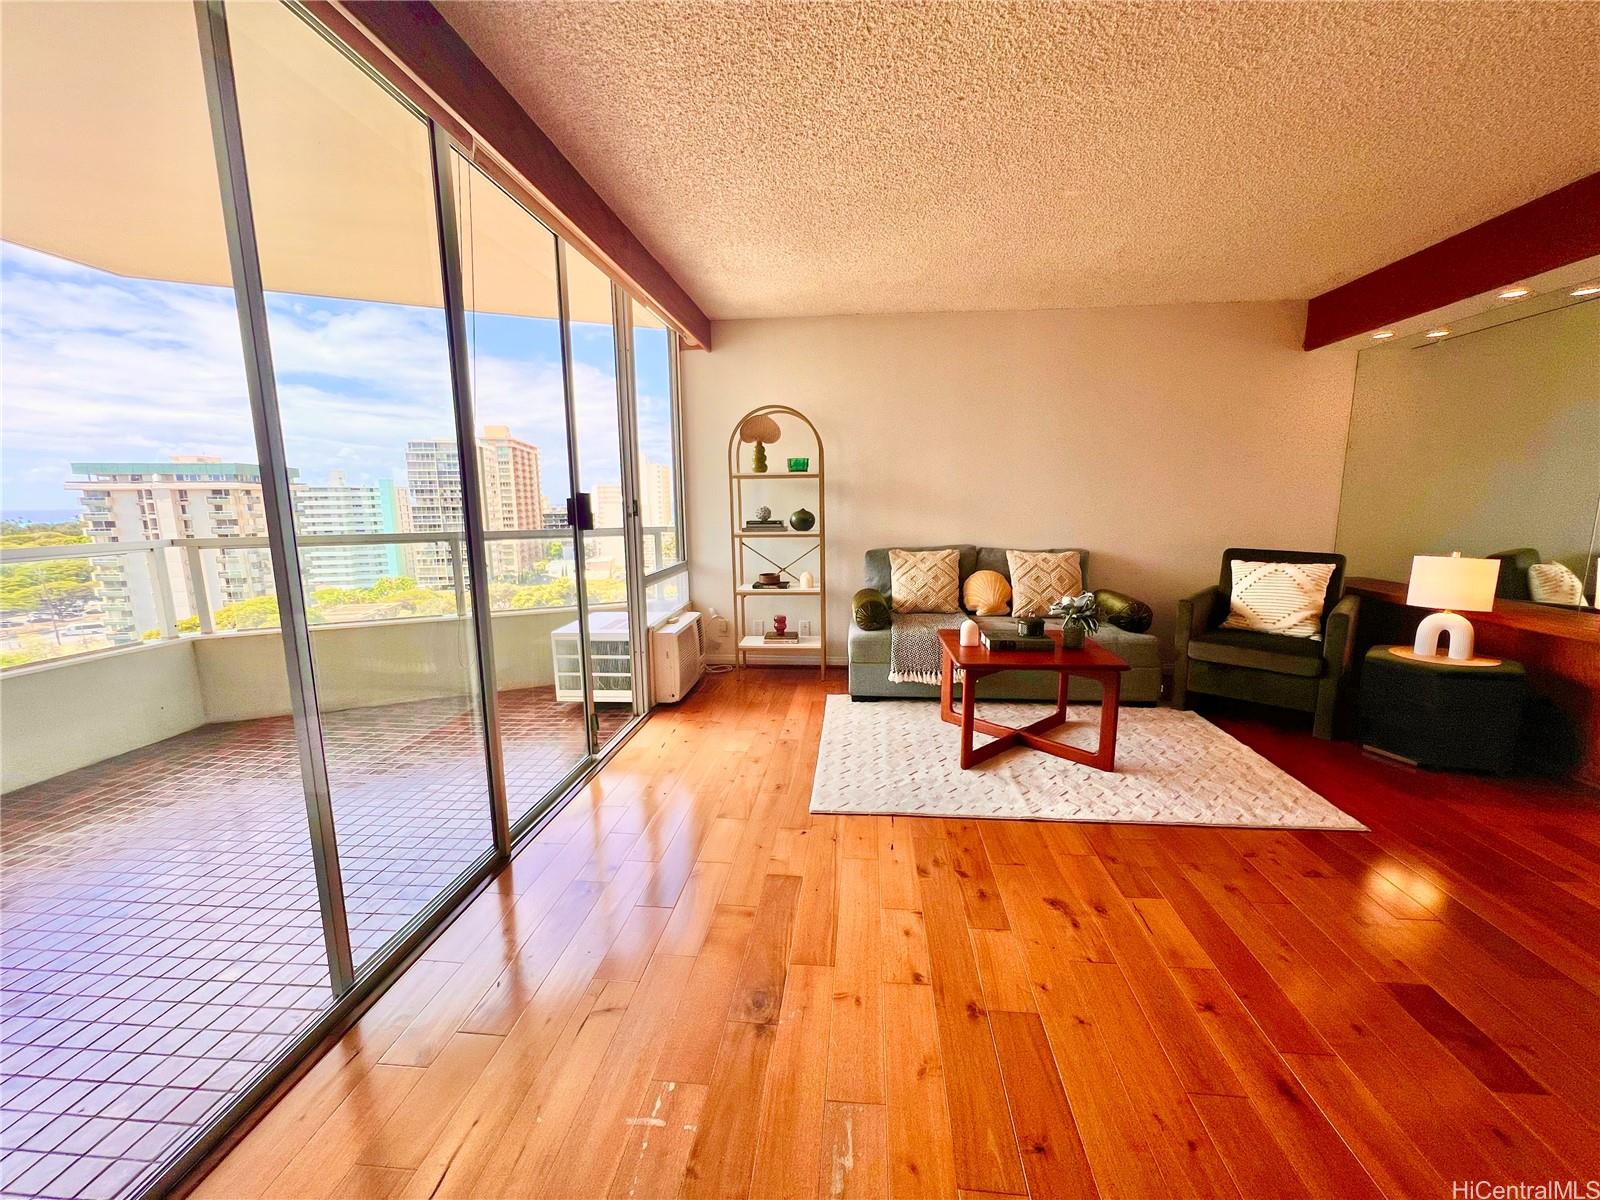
[690, 986]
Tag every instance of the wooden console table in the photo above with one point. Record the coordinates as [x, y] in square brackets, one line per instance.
[1560, 647]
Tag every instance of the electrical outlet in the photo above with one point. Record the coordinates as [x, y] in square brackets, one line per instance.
[805, 628]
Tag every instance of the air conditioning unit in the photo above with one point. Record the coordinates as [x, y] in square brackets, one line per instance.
[677, 657]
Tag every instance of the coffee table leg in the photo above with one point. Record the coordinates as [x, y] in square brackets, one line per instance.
[947, 669]
[969, 712]
[1110, 705]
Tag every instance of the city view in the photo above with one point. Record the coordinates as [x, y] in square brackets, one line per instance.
[354, 566]
[378, 513]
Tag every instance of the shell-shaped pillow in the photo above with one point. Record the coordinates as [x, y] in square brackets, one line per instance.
[986, 593]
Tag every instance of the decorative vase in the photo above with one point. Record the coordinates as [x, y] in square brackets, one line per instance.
[1071, 636]
[807, 579]
[802, 520]
[1030, 626]
[799, 464]
[970, 634]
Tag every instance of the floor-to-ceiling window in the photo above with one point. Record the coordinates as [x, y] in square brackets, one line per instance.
[341, 184]
[232, 340]
[161, 939]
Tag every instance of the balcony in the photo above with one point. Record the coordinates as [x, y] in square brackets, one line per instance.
[162, 934]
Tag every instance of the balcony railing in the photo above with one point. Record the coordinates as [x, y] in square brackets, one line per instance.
[185, 606]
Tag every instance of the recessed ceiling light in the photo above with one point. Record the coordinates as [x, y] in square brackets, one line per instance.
[1514, 293]
[1588, 289]
[1383, 335]
[1437, 333]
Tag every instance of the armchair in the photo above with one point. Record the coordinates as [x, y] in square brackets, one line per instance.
[1288, 672]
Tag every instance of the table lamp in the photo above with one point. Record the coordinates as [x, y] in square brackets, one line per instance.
[1454, 585]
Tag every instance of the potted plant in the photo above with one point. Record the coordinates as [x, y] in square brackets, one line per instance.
[1080, 615]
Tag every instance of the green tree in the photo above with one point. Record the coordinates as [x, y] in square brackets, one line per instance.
[258, 612]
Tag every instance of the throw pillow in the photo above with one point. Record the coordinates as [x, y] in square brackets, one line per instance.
[1123, 611]
[1554, 583]
[1282, 598]
[986, 593]
[871, 609]
[925, 581]
[1039, 578]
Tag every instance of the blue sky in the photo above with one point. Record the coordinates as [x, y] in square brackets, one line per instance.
[96, 366]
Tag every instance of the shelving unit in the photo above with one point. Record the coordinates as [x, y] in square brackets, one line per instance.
[740, 544]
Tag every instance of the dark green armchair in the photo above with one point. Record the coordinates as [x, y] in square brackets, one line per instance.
[1268, 668]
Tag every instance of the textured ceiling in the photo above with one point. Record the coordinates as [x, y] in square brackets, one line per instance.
[806, 158]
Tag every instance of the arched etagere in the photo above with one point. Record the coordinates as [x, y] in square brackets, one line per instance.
[788, 552]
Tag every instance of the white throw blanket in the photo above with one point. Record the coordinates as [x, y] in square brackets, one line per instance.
[914, 645]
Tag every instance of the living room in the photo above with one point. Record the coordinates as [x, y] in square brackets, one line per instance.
[849, 599]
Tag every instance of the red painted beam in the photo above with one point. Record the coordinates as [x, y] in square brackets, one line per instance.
[421, 42]
[1544, 234]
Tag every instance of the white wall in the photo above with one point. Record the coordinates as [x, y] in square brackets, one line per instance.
[57, 717]
[1153, 437]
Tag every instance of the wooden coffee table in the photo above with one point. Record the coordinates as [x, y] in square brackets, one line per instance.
[1092, 660]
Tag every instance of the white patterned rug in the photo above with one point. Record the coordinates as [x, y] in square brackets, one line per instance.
[1173, 768]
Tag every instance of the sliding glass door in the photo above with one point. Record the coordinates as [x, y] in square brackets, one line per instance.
[608, 533]
[512, 298]
[321, 555]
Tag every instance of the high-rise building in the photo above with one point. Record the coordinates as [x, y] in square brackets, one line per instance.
[433, 485]
[607, 502]
[657, 514]
[339, 507]
[189, 496]
[509, 469]
[512, 498]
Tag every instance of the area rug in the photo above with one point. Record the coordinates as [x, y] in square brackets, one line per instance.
[896, 757]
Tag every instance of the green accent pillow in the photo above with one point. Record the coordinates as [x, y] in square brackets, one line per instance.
[1124, 612]
[871, 609]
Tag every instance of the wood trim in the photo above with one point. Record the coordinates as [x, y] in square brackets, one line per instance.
[1572, 624]
[1552, 231]
[412, 46]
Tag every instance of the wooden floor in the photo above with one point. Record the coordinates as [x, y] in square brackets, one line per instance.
[690, 986]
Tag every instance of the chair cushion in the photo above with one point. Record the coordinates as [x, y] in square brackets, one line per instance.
[1259, 651]
[1278, 598]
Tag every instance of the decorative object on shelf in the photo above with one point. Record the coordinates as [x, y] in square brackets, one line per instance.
[756, 559]
[1031, 627]
[1453, 585]
[780, 624]
[763, 520]
[780, 631]
[1080, 615]
[1126, 613]
[987, 594]
[761, 429]
[971, 635]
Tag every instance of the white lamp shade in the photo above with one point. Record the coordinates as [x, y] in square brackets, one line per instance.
[1456, 583]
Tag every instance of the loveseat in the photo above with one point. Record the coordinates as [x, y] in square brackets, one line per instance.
[869, 648]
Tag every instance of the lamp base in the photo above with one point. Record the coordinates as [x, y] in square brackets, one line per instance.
[1457, 631]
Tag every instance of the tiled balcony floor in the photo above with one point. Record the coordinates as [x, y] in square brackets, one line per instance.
[160, 938]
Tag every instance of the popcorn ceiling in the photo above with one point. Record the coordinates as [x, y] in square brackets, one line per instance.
[787, 159]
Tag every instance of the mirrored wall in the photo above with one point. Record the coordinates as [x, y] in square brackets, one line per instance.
[326, 485]
[1482, 435]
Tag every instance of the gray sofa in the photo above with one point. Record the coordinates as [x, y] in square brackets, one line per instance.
[869, 648]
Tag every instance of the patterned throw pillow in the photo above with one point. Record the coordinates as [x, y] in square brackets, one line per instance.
[1282, 598]
[925, 581]
[1041, 577]
[1554, 583]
